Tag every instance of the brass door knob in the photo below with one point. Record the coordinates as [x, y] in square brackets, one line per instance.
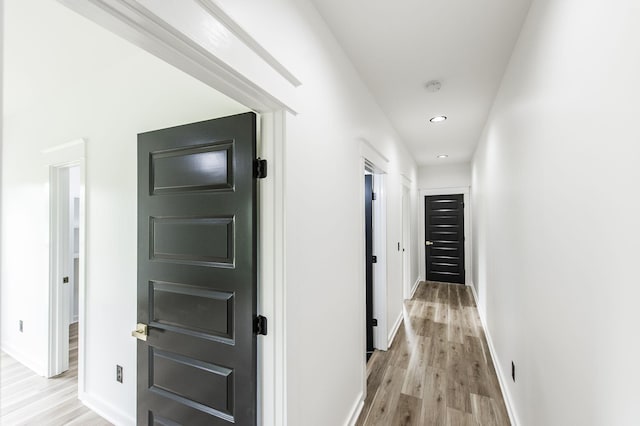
[141, 332]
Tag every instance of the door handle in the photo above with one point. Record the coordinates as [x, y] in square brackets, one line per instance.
[141, 332]
[428, 243]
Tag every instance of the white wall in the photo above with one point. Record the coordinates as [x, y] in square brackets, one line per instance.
[66, 80]
[324, 220]
[555, 183]
[444, 176]
[324, 246]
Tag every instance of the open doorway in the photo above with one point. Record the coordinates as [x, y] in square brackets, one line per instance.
[370, 259]
[65, 279]
[375, 259]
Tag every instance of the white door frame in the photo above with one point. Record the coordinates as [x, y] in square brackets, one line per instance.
[464, 190]
[376, 163]
[254, 78]
[407, 285]
[58, 160]
[379, 237]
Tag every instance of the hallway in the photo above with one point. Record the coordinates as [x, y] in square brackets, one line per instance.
[28, 399]
[438, 370]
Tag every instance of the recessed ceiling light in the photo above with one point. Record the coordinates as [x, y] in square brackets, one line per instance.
[438, 118]
[443, 156]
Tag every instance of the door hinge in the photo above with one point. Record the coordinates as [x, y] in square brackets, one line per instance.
[373, 196]
[260, 168]
[374, 259]
[260, 325]
[374, 322]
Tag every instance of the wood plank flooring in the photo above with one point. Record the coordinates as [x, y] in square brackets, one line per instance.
[29, 399]
[438, 370]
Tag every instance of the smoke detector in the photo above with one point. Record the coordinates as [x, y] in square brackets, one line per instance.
[433, 86]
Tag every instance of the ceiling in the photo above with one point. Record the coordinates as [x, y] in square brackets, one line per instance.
[398, 46]
[42, 66]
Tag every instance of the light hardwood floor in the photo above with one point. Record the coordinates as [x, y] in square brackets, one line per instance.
[438, 370]
[29, 399]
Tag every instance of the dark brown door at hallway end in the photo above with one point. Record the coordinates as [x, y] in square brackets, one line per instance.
[197, 273]
[444, 238]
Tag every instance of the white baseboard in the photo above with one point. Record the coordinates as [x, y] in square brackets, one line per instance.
[106, 410]
[356, 410]
[395, 328]
[502, 378]
[24, 359]
[414, 288]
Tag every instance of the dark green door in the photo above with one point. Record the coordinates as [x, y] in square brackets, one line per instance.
[197, 273]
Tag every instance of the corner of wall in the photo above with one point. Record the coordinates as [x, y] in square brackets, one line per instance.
[415, 287]
[24, 359]
[394, 329]
[356, 410]
[106, 410]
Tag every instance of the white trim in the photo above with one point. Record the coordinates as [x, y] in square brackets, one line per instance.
[380, 281]
[502, 378]
[271, 289]
[406, 242]
[68, 154]
[372, 161]
[362, 288]
[63, 146]
[373, 157]
[242, 73]
[59, 250]
[375, 163]
[106, 410]
[415, 287]
[356, 410]
[468, 232]
[396, 327]
[219, 14]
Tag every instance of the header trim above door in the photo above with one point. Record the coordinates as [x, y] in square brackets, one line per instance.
[245, 72]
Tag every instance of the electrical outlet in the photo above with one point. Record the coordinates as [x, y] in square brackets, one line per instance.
[21, 326]
[513, 371]
[119, 373]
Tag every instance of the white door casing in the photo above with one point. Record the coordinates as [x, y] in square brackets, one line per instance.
[58, 159]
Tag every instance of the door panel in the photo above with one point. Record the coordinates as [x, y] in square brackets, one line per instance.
[444, 230]
[197, 273]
